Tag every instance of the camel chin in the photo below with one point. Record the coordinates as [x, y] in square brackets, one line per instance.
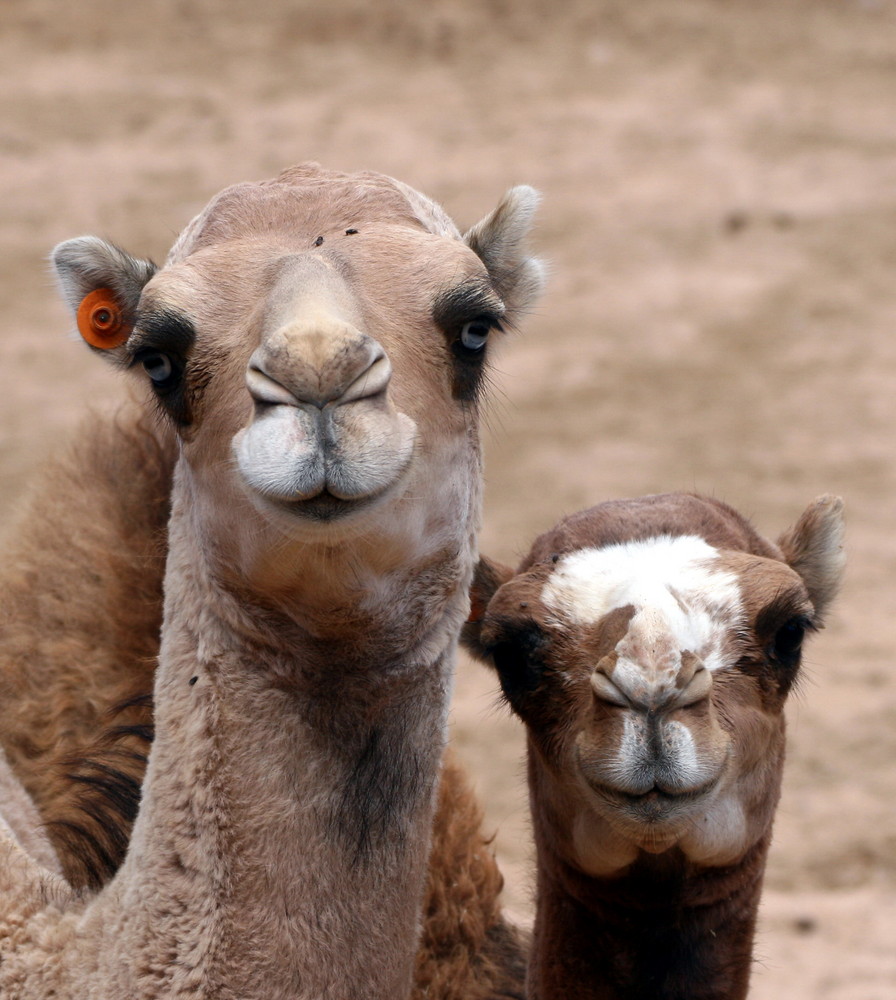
[706, 825]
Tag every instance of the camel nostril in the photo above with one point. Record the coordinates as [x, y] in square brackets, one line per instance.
[607, 691]
[696, 689]
[339, 372]
[371, 382]
[264, 389]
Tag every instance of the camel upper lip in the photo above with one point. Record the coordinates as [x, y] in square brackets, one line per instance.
[312, 472]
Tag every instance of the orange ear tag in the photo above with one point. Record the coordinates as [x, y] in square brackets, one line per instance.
[100, 321]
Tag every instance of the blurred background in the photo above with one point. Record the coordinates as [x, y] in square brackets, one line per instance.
[719, 217]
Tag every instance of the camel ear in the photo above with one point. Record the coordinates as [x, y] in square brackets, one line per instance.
[499, 240]
[487, 578]
[101, 285]
[813, 547]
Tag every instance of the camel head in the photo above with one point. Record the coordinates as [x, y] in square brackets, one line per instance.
[320, 343]
[649, 646]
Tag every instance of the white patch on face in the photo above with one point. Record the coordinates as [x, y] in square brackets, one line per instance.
[720, 836]
[681, 747]
[599, 849]
[631, 748]
[630, 744]
[636, 766]
[682, 599]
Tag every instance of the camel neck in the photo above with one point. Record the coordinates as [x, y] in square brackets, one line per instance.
[282, 841]
[660, 931]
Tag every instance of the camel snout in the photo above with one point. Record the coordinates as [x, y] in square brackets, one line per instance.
[639, 688]
[324, 421]
[312, 369]
[695, 682]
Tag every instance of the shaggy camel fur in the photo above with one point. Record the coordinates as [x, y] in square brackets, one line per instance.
[318, 342]
[649, 646]
[80, 613]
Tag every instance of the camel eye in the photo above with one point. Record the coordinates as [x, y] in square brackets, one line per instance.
[520, 662]
[473, 335]
[159, 367]
[789, 639]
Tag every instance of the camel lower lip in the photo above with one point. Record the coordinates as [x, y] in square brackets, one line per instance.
[665, 795]
[325, 506]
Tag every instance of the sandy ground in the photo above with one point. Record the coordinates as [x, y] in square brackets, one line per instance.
[719, 215]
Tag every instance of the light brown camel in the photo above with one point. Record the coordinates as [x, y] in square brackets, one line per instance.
[649, 646]
[318, 343]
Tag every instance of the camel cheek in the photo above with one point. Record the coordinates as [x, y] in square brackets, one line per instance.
[721, 836]
[599, 851]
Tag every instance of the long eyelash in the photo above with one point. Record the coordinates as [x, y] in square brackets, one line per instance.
[808, 624]
[164, 330]
[460, 304]
[783, 607]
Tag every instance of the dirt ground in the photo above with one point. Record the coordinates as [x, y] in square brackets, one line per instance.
[719, 215]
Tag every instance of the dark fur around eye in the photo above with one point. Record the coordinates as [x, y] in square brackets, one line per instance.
[519, 661]
[162, 343]
[164, 330]
[468, 315]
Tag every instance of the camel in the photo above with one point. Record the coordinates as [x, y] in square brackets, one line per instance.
[649, 646]
[317, 343]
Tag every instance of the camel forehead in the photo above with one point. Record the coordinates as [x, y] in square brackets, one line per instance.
[406, 270]
[304, 203]
[680, 592]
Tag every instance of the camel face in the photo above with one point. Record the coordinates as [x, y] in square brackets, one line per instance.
[651, 672]
[321, 398]
[319, 342]
[659, 620]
